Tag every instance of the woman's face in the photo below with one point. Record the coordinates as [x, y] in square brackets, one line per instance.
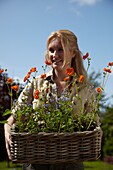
[56, 54]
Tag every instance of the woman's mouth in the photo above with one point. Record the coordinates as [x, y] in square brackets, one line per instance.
[56, 61]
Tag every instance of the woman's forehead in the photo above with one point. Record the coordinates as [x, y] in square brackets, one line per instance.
[55, 42]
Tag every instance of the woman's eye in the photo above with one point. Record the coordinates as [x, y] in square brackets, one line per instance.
[51, 50]
[60, 49]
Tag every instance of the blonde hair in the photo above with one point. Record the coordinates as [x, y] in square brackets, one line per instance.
[69, 41]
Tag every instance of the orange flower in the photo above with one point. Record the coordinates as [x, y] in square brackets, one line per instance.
[86, 56]
[47, 62]
[9, 80]
[1, 71]
[26, 77]
[99, 90]
[15, 87]
[110, 64]
[107, 70]
[33, 69]
[66, 78]
[29, 73]
[70, 71]
[81, 78]
[36, 94]
[43, 76]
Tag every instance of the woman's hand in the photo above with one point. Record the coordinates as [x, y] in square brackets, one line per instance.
[7, 129]
[7, 139]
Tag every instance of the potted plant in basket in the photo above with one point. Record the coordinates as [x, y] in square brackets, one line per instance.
[52, 123]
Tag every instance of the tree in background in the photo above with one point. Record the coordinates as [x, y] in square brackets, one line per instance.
[107, 127]
[5, 103]
[106, 114]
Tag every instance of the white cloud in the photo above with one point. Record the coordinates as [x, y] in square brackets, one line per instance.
[85, 2]
[77, 12]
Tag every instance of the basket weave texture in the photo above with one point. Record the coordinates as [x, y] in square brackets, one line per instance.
[50, 148]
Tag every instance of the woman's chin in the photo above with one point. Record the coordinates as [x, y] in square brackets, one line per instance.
[57, 67]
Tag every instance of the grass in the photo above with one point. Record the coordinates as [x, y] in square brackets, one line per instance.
[3, 166]
[94, 165]
[97, 165]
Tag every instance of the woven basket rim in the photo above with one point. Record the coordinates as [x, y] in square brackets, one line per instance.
[57, 133]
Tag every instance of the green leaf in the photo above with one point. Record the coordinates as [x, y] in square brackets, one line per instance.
[7, 112]
[3, 121]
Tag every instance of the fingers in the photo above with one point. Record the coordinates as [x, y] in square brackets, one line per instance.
[8, 143]
[7, 129]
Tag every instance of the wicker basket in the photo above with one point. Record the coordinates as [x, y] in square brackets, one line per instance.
[49, 148]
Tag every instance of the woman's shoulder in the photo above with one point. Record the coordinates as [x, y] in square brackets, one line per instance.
[40, 79]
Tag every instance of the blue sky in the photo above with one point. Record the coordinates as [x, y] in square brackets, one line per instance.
[26, 24]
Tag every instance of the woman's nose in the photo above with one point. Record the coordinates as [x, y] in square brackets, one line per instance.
[55, 54]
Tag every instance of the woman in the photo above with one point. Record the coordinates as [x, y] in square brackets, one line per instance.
[62, 52]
